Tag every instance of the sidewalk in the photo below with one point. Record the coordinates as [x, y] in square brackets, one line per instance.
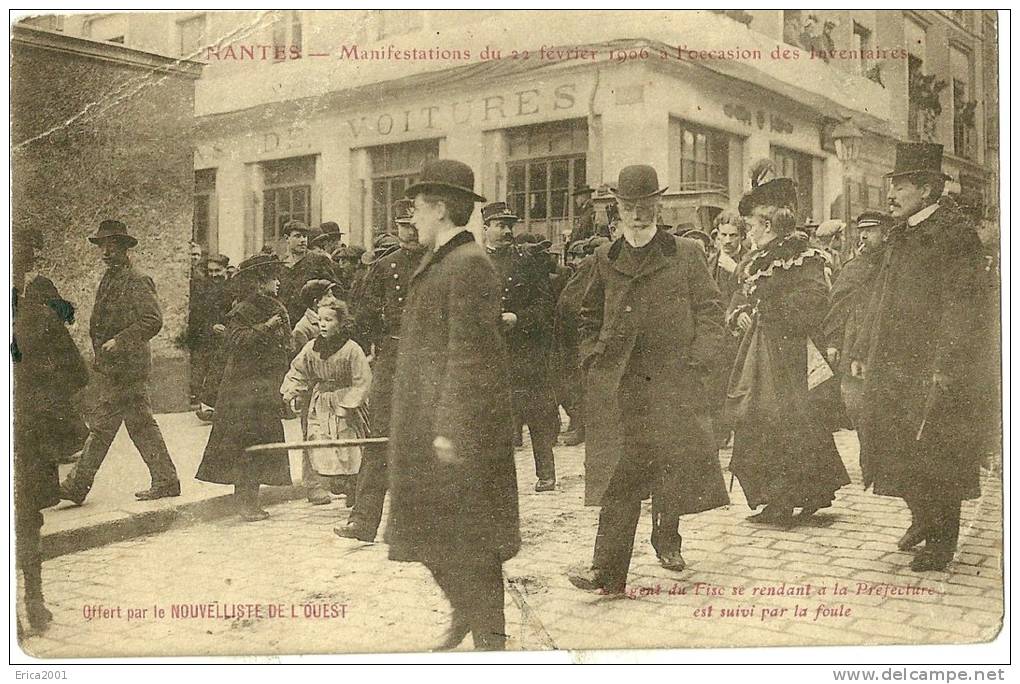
[111, 512]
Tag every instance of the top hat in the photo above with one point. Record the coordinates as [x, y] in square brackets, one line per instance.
[403, 210]
[110, 229]
[498, 211]
[295, 226]
[220, 259]
[778, 192]
[918, 157]
[260, 265]
[445, 176]
[329, 230]
[639, 181]
[873, 219]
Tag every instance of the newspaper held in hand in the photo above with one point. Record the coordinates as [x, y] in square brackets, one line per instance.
[818, 369]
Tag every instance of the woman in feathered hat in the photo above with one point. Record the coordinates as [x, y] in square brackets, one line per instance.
[248, 406]
[783, 458]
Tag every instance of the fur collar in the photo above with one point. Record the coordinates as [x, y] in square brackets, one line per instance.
[782, 254]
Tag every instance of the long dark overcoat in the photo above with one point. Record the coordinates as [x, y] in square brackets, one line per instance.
[452, 380]
[661, 317]
[249, 402]
[781, 452]
[926, 308]
[48, 370]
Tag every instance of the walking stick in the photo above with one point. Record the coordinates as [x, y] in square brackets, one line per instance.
[933, 395]
[287, 446]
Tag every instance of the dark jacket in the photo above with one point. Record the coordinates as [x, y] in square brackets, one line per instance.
[526, 292]
[378, 308]
[928, 304]
[452, 380]
[314, 265]
[126, 309]
[379, 301]
[782, 454]
[248, 404]
[659, 321]
[209, 304]
[48, 370]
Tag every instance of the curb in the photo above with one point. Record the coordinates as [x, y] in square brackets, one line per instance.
[153, 522]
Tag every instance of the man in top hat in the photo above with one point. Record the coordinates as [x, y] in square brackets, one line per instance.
[378, 308]
[527, 315]
[453, 482]
[918, 356]
[650, 329]
[302, 265]
[125, 317]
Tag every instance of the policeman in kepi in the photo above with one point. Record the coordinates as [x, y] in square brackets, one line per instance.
[378, 305]
[528, 307]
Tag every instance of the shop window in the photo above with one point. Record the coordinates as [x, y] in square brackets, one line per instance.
[287, 34]
[203, 226]
[394, 168]
[546, 164]
[286, 195]
[704, 157]
[191, 35]
[798, 166]
[862, 43]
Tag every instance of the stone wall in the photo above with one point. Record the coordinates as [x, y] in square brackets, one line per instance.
[101, 131]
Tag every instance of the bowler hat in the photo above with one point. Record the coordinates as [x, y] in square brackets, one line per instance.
[778, 192]
[220, 259]
[260, 265]
[873, 219]
[110, 229]
[403, 210]
[829, 228]
[295, 226]
[918, 157]
[639, 181]
[498, 211]
[329, 230]
[445, 176]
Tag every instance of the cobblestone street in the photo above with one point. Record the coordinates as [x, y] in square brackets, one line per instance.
[293, 561]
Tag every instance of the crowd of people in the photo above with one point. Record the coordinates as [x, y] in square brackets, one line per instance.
[659, 347]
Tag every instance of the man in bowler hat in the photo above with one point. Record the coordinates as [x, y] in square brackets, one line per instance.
[917, 358]
[125, 317]
[650, 329]
[453, 483]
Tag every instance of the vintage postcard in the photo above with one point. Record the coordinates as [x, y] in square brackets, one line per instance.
[382, 331]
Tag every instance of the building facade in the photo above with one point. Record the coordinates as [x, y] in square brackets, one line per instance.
[328, 115]
[98, 131]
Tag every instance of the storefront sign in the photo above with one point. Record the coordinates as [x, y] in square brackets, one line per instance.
[491, 109]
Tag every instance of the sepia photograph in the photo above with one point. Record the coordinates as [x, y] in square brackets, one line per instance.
[415, 331]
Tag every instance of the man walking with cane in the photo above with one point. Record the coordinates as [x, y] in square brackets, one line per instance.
[916, 358]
